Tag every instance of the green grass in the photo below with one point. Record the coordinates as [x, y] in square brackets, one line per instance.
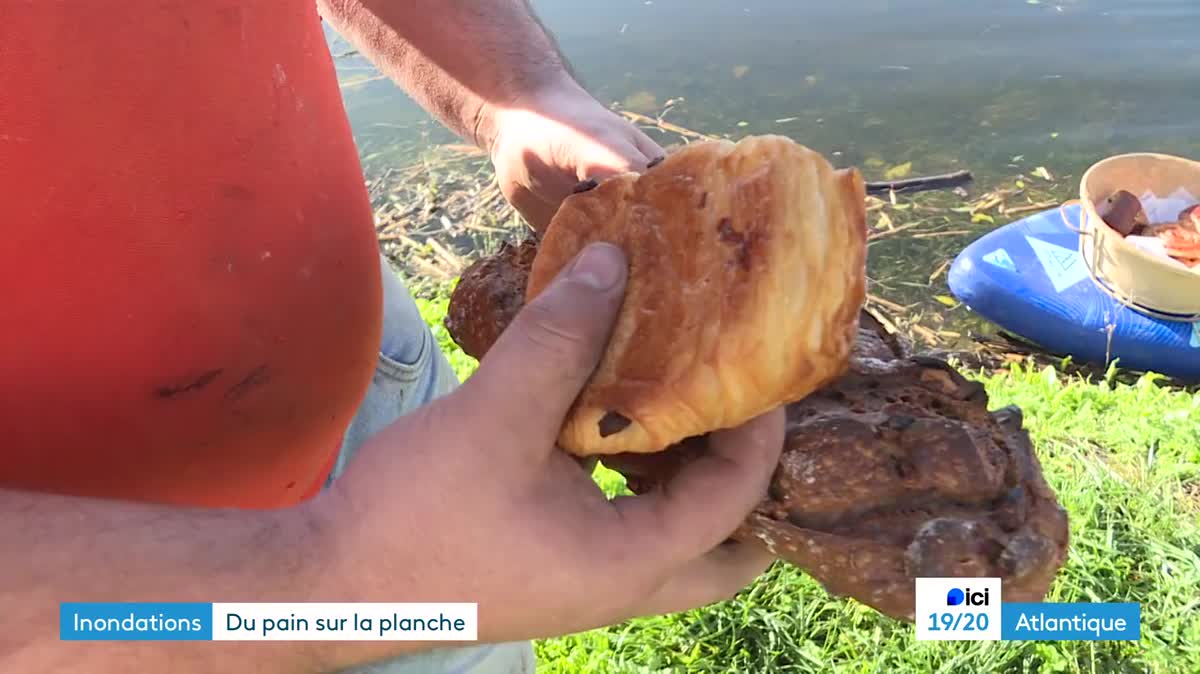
[433, 310]
[1125, 461]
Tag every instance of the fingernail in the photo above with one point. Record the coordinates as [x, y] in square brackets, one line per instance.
[589, 184]
[598, 266]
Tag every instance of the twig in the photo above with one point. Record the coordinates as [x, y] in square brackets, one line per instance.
[992, 200]
[885, 303]
[929, 335]
[926, 183]
[454, 260]
[463, 149]
[934, 235]
[938, 272]
[431, 268]
[391, 228]
[665, 126]
[884, 321]
[877, 235]
[475, 226]
[404, 239]
[1027, 208]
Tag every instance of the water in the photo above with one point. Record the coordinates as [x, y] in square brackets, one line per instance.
[997, 86]
[941, 83]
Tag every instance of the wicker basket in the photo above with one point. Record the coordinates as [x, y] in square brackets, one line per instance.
[1129, 274]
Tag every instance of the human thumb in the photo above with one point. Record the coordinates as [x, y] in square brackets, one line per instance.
[542, 360]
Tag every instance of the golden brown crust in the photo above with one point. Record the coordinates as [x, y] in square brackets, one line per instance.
[747, 273]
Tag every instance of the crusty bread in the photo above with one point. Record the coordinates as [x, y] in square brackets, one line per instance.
[489, 294]
[747, 274]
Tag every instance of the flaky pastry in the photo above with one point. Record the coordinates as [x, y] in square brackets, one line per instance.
[746, 277]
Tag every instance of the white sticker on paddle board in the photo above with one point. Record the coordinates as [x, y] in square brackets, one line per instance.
[1001, 259]
[1195, 343]
[1063, 266]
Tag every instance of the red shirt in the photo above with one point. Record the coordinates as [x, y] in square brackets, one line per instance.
[190, 277]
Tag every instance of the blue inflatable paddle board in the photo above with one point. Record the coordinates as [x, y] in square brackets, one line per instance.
[1029, 278]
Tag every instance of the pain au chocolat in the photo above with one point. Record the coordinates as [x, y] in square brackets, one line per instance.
[746, 277]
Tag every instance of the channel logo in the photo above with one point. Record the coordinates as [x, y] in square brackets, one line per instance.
[958, 609]
[967, 597]
[973, 609]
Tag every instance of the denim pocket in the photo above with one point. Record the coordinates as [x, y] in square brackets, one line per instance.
[410, 371]
[395, 390]
[400, 373]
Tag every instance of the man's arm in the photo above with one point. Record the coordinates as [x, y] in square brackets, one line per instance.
[462, 60]
[59, 549]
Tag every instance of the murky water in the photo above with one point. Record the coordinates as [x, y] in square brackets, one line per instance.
[996, 86]
[941, 83]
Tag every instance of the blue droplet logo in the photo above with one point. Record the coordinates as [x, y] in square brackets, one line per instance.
[954, 597]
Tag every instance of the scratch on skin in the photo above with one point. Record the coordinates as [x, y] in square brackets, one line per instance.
[257, 377]
[191, 385]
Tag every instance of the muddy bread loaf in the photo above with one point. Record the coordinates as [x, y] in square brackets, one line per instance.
[898, 470]
[487, 297]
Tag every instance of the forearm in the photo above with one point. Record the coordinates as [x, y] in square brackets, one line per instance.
[55, 549]
[462, 60]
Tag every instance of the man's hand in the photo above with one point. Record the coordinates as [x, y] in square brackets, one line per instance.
[511, 522]
[491, 73]
[548, 142]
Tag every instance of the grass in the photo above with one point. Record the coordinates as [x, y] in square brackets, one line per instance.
[1125, 461]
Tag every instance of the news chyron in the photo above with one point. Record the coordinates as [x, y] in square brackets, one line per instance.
[973, 609]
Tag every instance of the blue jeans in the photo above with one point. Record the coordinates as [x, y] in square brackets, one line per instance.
[411, 372]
